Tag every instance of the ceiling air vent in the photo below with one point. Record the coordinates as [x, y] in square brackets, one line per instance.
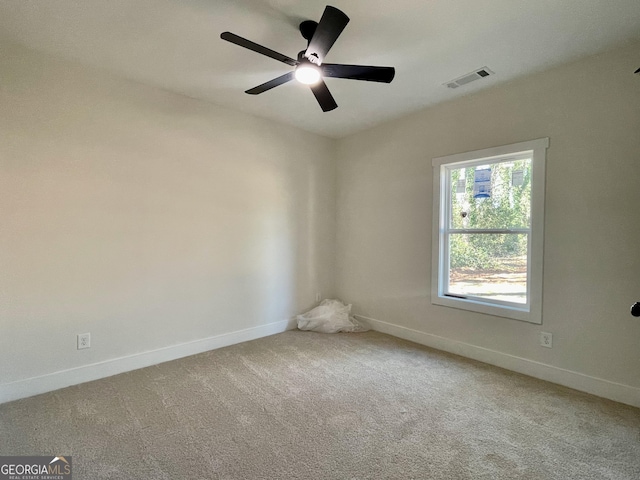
[469, 77]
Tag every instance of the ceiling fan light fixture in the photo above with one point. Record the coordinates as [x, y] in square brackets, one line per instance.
[307, 73]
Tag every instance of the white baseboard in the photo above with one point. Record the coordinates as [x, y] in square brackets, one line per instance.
[86, 373]
[578, 381]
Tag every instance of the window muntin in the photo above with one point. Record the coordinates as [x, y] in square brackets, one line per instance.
[488, 208]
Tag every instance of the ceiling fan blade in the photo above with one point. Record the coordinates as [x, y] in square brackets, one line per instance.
[328, 30]
[358, 72]
[243, 42]
[271, 84]
[324, 97]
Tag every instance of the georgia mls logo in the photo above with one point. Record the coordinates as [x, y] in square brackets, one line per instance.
[35, 468]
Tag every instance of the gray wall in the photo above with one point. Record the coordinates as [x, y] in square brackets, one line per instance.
[590, 110]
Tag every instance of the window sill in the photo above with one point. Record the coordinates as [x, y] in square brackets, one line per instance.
[524, 314]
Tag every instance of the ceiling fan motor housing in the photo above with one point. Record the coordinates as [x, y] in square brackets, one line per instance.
[307, 29]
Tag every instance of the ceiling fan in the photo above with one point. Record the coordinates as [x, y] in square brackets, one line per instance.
[309, 66]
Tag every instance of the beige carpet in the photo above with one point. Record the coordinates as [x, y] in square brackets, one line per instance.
[314, 406]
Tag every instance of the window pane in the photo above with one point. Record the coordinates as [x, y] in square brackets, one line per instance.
[490, 266]
[496, 195]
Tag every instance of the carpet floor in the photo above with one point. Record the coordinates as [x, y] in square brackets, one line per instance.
[303, 405]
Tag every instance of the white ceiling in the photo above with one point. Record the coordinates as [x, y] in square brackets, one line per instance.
[176, 45]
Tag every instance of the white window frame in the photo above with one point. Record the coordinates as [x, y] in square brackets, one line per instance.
[532, 310]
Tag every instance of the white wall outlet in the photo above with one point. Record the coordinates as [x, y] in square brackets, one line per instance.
[318, 296]
[84, 340]
[546, 339]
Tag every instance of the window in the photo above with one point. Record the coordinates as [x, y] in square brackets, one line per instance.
[488, 230]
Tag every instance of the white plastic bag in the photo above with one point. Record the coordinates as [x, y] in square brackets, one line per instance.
[331, 316]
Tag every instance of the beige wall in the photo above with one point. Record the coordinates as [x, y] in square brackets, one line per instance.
[590, 110]
[150, 219]
[146, 218]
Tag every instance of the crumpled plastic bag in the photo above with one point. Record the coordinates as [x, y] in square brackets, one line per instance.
[331, 316]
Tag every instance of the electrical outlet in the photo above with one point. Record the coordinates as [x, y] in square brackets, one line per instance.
[546, 339]
[84, 340]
